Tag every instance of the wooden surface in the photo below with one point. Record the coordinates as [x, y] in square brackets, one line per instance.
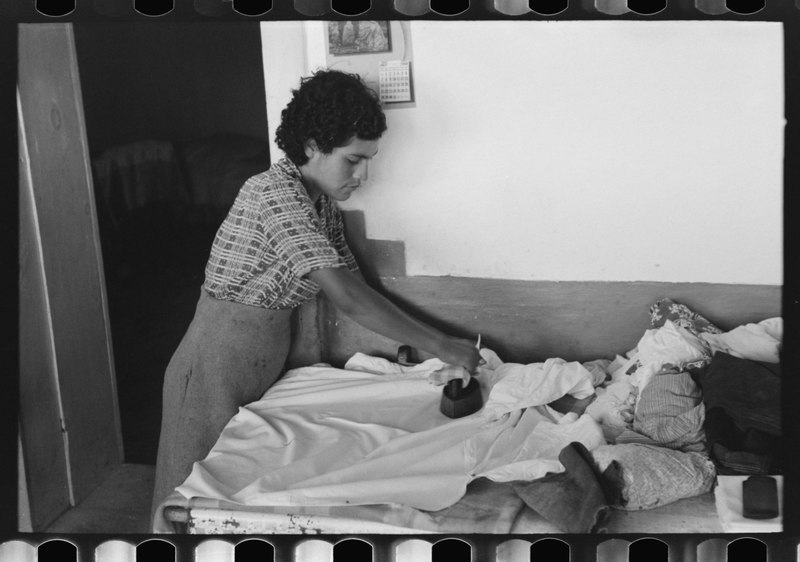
[56, 142]
[689, 515]
[696, 515]
[526, 321]
[39, 416]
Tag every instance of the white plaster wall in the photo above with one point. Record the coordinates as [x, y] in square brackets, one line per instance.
[609, 151]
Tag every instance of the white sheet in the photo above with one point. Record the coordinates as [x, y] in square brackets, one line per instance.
[373, 433]
[756, 342]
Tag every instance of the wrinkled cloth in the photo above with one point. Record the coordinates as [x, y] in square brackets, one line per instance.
[516, 385]
[649, 476]
[681, 315]
[326, 436]
[757, 342]
[437, 371]
[621, 367]
[572, 500]
[614, 404]
[599, 369]
[668, 346]
[670, 413]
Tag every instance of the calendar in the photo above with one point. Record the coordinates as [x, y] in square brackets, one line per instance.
[394, 81]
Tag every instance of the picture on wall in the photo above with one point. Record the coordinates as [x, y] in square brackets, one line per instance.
[355, 37]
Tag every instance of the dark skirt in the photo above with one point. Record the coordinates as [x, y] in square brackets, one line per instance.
[231, 354]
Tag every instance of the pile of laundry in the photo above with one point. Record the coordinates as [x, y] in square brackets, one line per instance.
[372, 432]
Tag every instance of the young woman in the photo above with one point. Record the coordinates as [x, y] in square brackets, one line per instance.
[281, 243]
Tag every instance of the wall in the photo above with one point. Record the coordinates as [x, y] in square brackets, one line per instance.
[173, 81]
[578, 151]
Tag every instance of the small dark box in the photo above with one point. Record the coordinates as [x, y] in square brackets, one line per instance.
[760, 497]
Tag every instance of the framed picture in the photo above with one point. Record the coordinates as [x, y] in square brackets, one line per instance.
[353, 37]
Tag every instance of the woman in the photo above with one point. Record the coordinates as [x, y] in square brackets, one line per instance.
[281, 242]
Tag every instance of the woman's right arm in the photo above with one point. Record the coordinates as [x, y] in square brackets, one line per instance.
[369, 308]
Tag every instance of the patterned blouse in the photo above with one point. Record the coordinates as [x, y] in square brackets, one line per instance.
[272, 238]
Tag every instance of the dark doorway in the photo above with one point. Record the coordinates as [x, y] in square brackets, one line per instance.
[176, 122]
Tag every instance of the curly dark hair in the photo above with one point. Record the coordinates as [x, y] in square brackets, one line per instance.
[329, 107]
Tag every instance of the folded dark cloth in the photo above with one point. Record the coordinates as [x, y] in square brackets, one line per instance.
[574, 500]
[741, 451]
[743, 414]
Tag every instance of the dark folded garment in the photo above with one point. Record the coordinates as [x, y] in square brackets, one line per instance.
[574, 500]
[743, 414]
[749, 391]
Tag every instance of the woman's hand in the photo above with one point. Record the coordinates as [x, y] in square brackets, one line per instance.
[461, 352]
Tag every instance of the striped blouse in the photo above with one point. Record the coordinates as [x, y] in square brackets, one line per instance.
[273, 236]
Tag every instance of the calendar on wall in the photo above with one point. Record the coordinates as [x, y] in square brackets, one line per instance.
[378, 51]
[394, 81]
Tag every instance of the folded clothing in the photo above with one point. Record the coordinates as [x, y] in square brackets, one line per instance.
[743, 413]
[670, 413]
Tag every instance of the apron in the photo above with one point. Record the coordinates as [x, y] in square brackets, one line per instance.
[231, 354]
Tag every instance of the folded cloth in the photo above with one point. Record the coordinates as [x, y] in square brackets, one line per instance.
[743, 414]
[757, 342]
[750, 391]
[448, 373]
[728, 497]
[670, 413]
[572, 500]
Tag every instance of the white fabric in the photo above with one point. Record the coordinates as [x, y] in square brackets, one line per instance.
[667, 345]
[326, 436]
[728, 497]
[773, 327]
[515, 386]
[599, 369]
[614, 404]
[756, 342]
[620, 366]
[438, 372]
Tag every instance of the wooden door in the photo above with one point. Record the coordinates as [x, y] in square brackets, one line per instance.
[69, 414]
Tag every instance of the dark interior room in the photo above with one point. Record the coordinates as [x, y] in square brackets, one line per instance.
[176, 122]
